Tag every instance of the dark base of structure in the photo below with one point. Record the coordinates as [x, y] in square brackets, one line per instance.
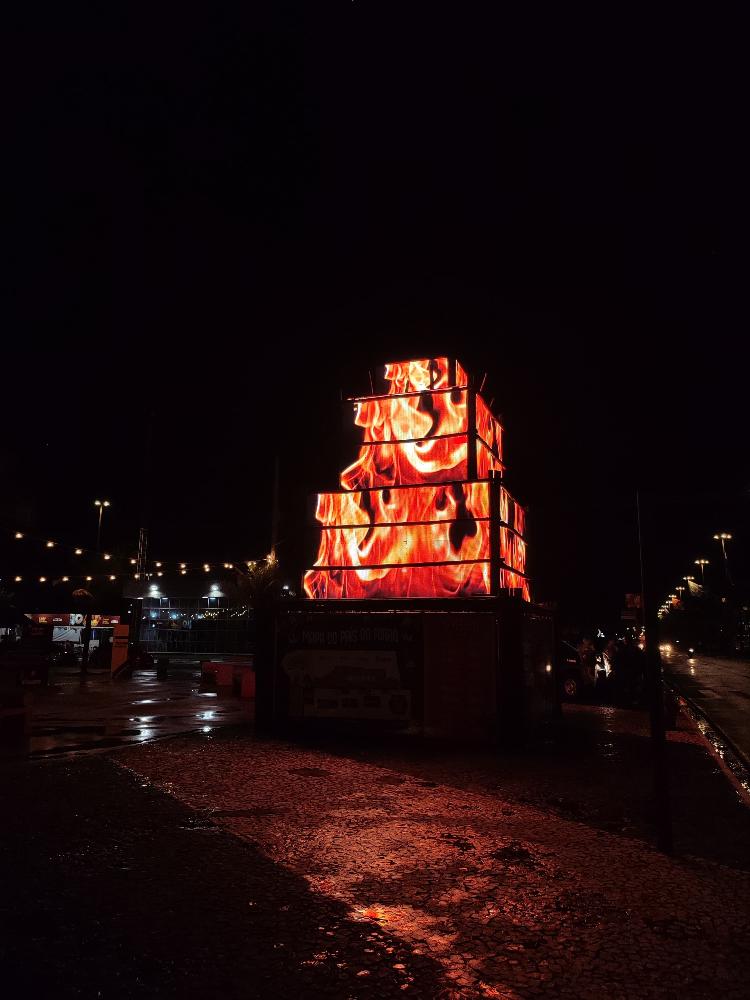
[479, 669]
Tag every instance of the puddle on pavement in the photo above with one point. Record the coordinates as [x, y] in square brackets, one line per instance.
[96, 714]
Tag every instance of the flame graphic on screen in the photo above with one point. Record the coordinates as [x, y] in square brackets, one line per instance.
[414, 518]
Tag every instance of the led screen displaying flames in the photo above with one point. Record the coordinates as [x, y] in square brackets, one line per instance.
[414, 517]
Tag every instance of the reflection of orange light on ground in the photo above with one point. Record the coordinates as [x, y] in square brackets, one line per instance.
[413, 518]
[489, 990]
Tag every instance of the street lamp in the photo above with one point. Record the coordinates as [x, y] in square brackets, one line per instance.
[702, 563]
[101, 504]
[724, 537]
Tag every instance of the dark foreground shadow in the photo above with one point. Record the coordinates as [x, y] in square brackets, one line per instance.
[111, 889]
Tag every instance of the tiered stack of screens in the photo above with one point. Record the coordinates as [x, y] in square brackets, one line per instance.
[422, 511]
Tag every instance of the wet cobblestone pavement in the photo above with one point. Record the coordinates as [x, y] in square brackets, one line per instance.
[511, 899]
[288, 868]
[92, 713]
[111, 889]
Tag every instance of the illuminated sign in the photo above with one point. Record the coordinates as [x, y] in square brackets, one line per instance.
[421, 512]
[74, 619]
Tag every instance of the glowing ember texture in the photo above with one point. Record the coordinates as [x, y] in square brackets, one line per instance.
[462, 580]
[404, 505]
[415, 517]
[489, 429]
[407, 418]
[434, 460]
[426, 373]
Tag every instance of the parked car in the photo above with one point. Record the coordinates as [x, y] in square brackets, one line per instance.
[65, 656]
[569, 672]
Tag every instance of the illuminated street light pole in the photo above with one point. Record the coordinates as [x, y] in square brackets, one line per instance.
[101, 504]
[724, 537]
[702, 563]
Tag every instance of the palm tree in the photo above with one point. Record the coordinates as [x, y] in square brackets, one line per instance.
[258, 582]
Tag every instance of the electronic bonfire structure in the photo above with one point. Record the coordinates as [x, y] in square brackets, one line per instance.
[422, 512]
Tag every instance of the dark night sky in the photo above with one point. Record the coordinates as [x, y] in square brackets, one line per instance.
[225, 223]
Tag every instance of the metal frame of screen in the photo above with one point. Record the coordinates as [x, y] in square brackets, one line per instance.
[493, 506]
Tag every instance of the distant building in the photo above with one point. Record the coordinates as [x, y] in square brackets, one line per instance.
[190, 615]
[67, 627]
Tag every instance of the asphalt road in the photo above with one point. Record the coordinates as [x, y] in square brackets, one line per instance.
[719, 687]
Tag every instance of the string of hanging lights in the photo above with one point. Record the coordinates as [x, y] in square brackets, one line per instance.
[157, 567]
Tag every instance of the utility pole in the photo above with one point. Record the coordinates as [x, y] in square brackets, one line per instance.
[141, 567]
[275, 506]
[655, 686]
